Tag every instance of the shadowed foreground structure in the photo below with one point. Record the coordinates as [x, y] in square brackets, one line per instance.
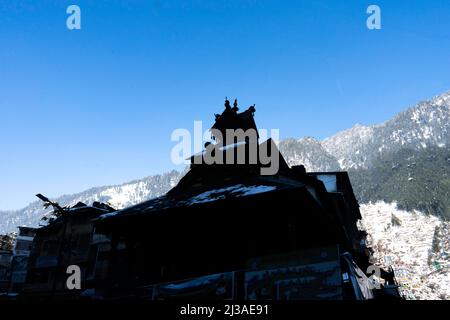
[226, 231]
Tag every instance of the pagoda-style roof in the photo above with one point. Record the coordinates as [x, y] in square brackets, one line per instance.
[231, 119]
[210, 187]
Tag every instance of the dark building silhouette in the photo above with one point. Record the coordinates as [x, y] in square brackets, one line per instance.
[5, 270]
[228, 231]
[19, 262]
[66, 240]
[6, 254]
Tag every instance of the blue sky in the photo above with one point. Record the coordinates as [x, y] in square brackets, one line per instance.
[97, 106]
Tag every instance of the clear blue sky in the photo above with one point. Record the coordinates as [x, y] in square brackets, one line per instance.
[97, 106]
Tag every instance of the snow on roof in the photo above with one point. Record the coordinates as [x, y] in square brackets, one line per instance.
[222, 148]
[164, 202]
[202, 281]
[107, 215]
[238, 190]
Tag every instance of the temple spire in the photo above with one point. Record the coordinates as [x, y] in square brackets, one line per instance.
[231, 119]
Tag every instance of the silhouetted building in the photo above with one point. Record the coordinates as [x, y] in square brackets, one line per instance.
[24, 240]
[5, 270]
[6, 247]
[65, 241]
[19, 263]
[228, 231]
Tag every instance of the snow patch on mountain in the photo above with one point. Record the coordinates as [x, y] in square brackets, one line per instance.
[349, 146]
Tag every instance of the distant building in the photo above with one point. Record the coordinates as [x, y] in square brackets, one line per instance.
[5, 270]
[6, 246]
[24, 240]
[19, 263]
[63, 242]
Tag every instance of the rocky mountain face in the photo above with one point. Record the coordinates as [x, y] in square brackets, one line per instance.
[371, 154]
[424, 125]
[310, 153]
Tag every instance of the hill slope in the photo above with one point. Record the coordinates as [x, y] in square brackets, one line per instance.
[414, 179]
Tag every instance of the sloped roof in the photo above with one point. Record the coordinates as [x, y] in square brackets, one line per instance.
[200, 197]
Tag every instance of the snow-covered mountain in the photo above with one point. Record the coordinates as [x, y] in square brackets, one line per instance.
[310, 153]
[119, 196]
[424, 125]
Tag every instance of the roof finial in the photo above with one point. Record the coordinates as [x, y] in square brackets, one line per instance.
[227, 103]
[235, 106]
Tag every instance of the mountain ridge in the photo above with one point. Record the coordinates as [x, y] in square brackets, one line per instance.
[425, 124]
